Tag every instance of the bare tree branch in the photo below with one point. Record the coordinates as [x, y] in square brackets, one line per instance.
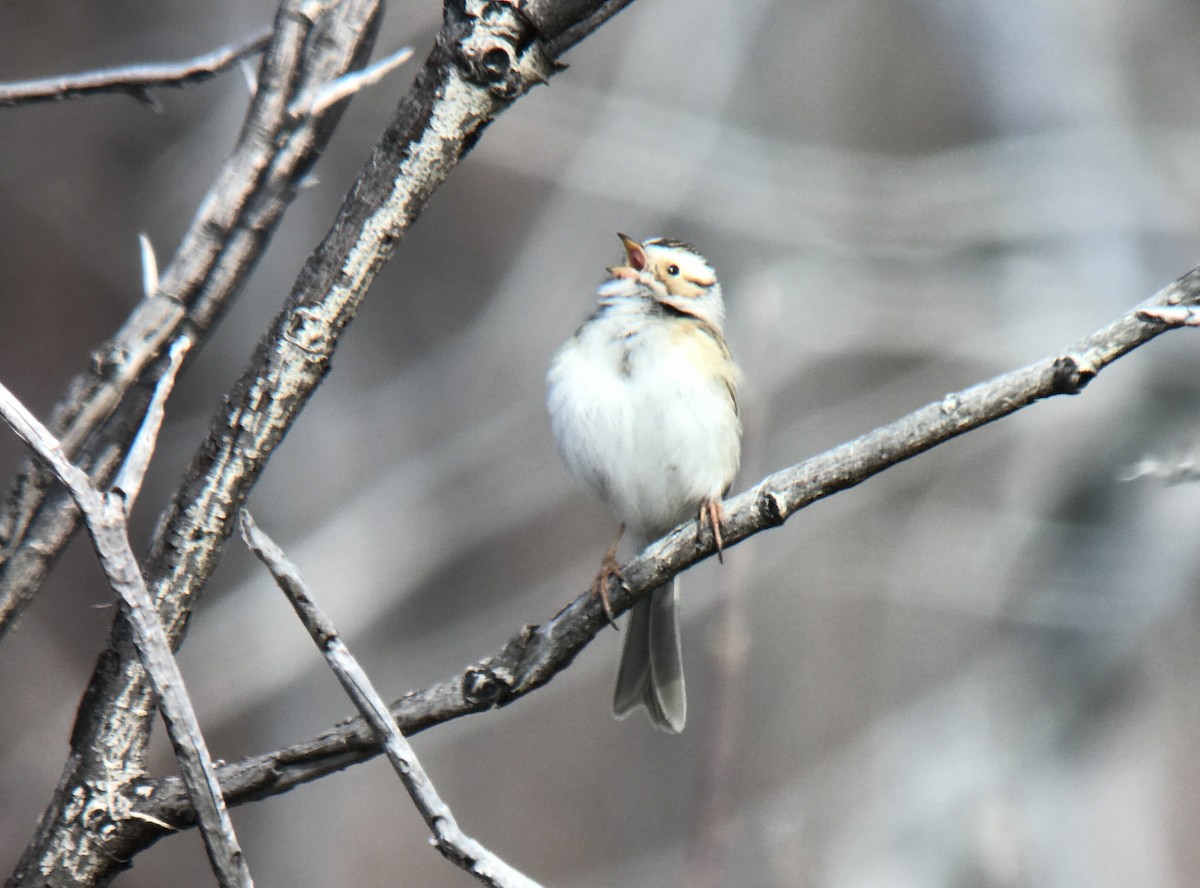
[105, 515]
[563, 23]
[485, 57]
[457, 847]
[1183, 470]
[347, 85]
[498, 679]
[1175, 315]
[129, 479]
[136, 80]
[257, 181]
[535, 654]
[149, 266]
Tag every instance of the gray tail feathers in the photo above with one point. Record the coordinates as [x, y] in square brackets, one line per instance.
[651, 672]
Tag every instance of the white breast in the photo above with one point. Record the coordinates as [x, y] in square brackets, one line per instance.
[644, 418]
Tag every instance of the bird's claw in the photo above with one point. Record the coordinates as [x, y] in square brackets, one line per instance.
[712, 513]
[609, 568]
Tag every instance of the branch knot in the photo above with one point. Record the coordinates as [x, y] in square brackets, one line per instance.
[1069, 375]
[487, 684]
[771, 508]
[500, 50]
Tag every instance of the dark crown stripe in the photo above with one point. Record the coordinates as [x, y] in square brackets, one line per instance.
[673, 244]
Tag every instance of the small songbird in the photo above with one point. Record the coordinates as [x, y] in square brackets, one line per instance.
[643, 404]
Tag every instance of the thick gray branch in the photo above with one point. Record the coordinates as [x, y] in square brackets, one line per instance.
[96, 417]
[486, 55]
[105, 515]
[537, 653]
[563, 23]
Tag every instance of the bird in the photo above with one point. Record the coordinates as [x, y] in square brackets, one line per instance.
[643, 406]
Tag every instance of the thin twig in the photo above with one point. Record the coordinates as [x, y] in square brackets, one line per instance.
[534, 655]
[105, 516]
[486, 56]
[135, 80]
[257, 181]
[462, 850]
[149, 266]
[1185, 470]
[249, 77]
[330, 94]
[132, 472]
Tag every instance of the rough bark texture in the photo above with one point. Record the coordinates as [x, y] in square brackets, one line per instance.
[486, 56]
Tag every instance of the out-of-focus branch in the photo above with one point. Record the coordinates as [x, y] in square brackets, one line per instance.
[1175, 315]
[706, 859]
[456, 846]
[536, 654]
[98, 414]
[711, 830]
[105, 515]
[1184, 470]
[135, 80]
[485, 56]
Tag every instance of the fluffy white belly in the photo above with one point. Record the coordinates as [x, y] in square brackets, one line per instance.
[645, 420]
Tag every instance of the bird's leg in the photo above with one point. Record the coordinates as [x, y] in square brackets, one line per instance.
[712, 513]
[609, 568]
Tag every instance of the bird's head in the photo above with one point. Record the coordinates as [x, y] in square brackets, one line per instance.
[676, 274]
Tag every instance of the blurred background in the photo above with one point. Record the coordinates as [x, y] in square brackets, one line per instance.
[978, 669]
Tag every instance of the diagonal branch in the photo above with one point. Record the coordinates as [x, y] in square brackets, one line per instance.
[256, 183]
[129, 478]
[536, 654]
[486, 55]
[135, 80]
[1175, 315]
[315, 105]
[105, 515]
[455, 845]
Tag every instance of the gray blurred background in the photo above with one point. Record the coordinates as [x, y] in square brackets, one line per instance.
[978, 669]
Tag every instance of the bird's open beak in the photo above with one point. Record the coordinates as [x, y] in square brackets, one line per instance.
[635, 260]
[635, 253]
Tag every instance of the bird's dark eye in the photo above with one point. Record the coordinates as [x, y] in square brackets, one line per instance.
[673, 270]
